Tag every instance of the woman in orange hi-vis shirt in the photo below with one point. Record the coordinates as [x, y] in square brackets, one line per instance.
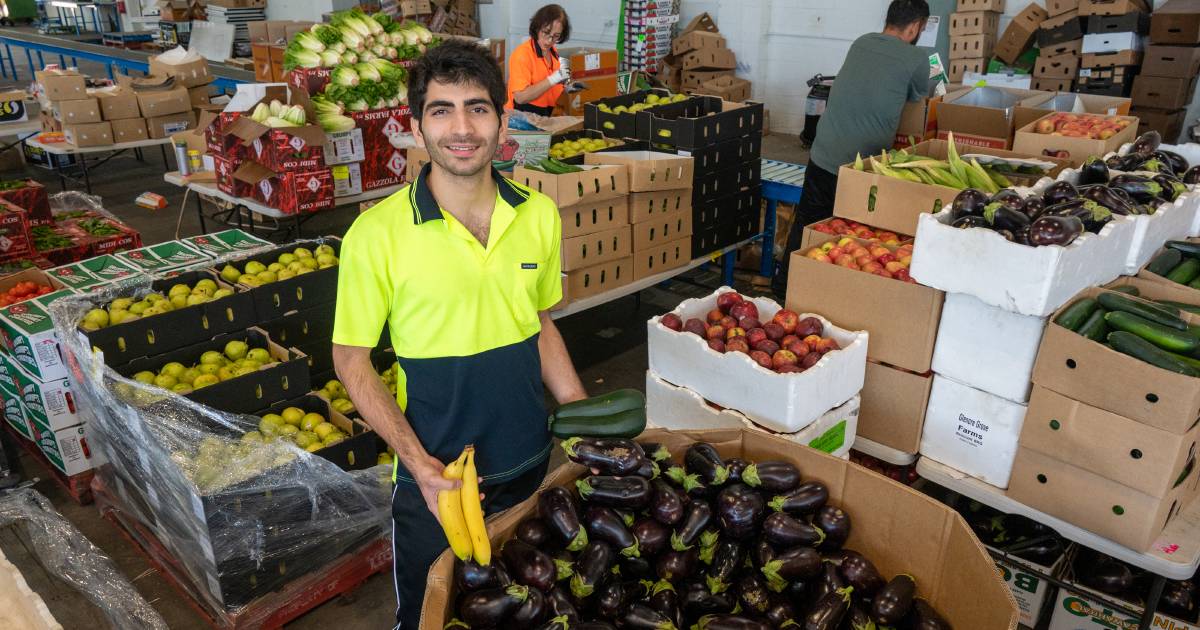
[535, 74]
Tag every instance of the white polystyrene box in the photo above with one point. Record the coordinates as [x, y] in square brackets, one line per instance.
[781, 402]
[987, 347]
[971, 430]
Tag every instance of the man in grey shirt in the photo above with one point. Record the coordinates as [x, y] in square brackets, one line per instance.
[882, 72]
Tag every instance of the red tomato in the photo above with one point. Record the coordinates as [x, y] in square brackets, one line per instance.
[44, 290]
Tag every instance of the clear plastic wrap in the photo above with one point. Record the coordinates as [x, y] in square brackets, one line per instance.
[73, 203]
[67, 554]
[242, 517]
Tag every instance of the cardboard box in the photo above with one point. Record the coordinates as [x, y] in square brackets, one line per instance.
[121, 104]
[32, 200]
[285, 149]
[598, 247]
[164, 102]
[1081, 608]
[594, 280]
[590, 185]
[598, 87]
[1171, 61]
[1176, 22]
[200, 96]
[974, 23]
[89, 135]
[1111, 42]
[1103, 506]
[648, 171]
[960, 67]
[901, 317]
[709, 59]
[188, 74]
[30, 339]
[972, 46]
[129, 130]
[10, 392]
[290, 192]
[590, 62]
[1062, 28]
[652, 233]
[981, 5]
[1070, 365]
[896, 205]
[77, 112]
[982, 116]
[695, 40]
[1110, 59]
[644, 206]
[598, 216]
[1112, 7]
[1030, 281]
[951, 565]
[971, 430]
[1077, 150]
[1136, 22]
[1169, 123]
[263, 70]
[62, 85]
[66, 448]
[781, 402]
[893, 406]
[693, 79]
[163, 257]
[1073, 47]
[1028, 587]
[165, 126]
[918, 121]
[1053, 85]
[662, 257]
[13, 107]
[1163, 92]
[1000, 363]
[226, 242]
[727, 88]
[706, 121]
[49, 403]
[1059, 7]
[1019, 34]
[1035, 107]
[1061, 67]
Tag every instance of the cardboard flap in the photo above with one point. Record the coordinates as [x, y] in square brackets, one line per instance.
[702, 22]
[153, 83]
[252, 173]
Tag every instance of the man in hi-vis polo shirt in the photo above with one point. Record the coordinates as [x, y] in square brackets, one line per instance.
[462, 267]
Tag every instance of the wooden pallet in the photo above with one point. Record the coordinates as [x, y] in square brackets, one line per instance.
[269, 612]
[79, 486]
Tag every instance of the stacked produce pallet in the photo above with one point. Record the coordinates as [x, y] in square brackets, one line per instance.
[1060, 42]
[1164, 89]
[702, 63]
[1022, 31]
[973, 29]
[647, 32]
[1112, 46]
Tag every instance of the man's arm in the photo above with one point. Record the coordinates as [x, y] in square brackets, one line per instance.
[557, 371]
[379, 409]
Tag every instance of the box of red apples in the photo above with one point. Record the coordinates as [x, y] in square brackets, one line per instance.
[1075, 137]
[819, 232]
[780, 368]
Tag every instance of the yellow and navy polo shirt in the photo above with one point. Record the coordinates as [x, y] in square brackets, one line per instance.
[462, 318]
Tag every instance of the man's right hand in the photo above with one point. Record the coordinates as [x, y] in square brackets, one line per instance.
[428, 475]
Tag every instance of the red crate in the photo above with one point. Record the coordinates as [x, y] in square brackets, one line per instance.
[291, 192]
[311, 80]
[280, 151]
[225, 168]
[383, 168]
[380, 125]
[33, 200]
[14, 232]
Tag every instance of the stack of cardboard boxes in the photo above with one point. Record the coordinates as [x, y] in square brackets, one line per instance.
[1163, 91]
[648, 25]
[454, 17]
[1112, 47]
[1020, 33]
[702, 63]
[973, 30]
[267, 42]
[1060, 42]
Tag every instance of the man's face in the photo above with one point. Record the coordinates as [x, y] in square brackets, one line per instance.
[459, 127]
[913, 32]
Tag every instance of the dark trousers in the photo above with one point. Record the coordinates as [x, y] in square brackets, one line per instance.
[534, 109]
[417, 538]
[816, 203]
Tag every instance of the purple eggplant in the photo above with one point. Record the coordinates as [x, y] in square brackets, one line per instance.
[564, 565]
[593, 563]
[835, 523]
[797, 563]
[472, 576]
[1155, 165]
[557, 623]
[690, 482]
[739, 509]
[1107, 197]
[593, 625]
[894, 601]
[727, 559]
[1115, 162]
[782, 613]
[829, 581]
[1140, 188]
[924, 617]
[1179, 164]
[652, 537]
[807, 498]
[1172, 187]
[1108, 576]
[1146, 144]
[617, 492]
[761, 553]
[1192, 176]
[860, 573]
[531, 613]
[529, 565]
[703, 459]
[753, 594]
[697, 518]
[643, 617]
[698, 601]
[1059, 192]
[1093, 171]
[635, 568]
[667, 505]
[968, 203]
[556, 508]
[1004, 217]
[970, 221]
[1060, 231]
[1179, 599]
[772, 476]
[604, 524]
[665, 600]
[735, 466]
[534, 531]
[615, 597]
[1093, 215]
[677, 565]
[647, 469]
[561, 605]
[857, 618]
[656, 451]
[729, 622]
[609, 456]
[827, 613]
[1032, 207]
[490, 607]
[782, 530]
[1008, 198]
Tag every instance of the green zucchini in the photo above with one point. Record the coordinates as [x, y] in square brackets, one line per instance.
[1076, 314]
[1138, 348]
[1157, 334]
[1127, 289]
[1192, 361]
[620, 413]
[1186, 248]
[1166, 316]
[1190, 308]
[1165, 262]
[1195, 283]
[1185, 272]
[1095, 328]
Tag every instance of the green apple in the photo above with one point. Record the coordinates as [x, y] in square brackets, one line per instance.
[293, 416]
[120, 304]
[179, 289]
[211, 369]
[117, 317]
[139, 308]
[189, 375]
[173, 368]
[270, 423]
[326, 260]
[193, 300]
[180, 301]
[285, 274]
[295, 266]
[212, 357]
[260, 355]
[154, 297]
[304, 438]
[204, 380]
[229, 273]
[324, 249]
[249, 280]
[342, 405]
[334, 438]
[267, 277]
[225, 373]
[310, 421]
[287, 259]
[309, 263]
[97, 317]
[236, 349]
[165, 381]
[288, 430]
[324, 429]
[275, 267]
[182, 388]
[222, 293]
[254, 267]
[244, 370]
[301, 252]
[383, 460]
[314, 447]
[206, 285]
[144, 376]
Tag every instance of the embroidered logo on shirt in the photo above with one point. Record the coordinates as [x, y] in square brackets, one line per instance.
[529, 265]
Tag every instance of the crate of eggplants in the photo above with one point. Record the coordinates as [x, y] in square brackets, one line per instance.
[696, 541]
[1048, 219]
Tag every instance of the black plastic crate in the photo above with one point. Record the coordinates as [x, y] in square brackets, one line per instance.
[356, 452]
[624, 124]
[626, 145]
[714, 121]
[725, 210]
[301, 292]
[300, 327]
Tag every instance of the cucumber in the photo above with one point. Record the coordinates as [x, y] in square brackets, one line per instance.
[1076, 314]
[1195, 283]
[1095, 327]
[1192, 361]
[1138, 348]
[1185, 272]
[1186, 248]
[1190, 308]
[1127, 290]
[617, 414]
[1165, 262]
[1168, 317]
[1157, 334]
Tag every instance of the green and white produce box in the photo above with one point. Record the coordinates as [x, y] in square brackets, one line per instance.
[166, 256]
[49, 403]
[14, 410]
[75, 276]
[1028, 589]
[65, 448]
[29, 335]
[227, 242]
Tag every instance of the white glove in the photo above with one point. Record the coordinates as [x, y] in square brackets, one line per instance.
[561, 75]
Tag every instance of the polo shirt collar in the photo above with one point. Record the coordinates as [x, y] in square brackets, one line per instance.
[426, 208]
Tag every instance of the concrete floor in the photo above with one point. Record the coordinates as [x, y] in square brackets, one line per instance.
[607, 344]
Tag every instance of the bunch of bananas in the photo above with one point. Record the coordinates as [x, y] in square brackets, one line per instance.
[461, 512]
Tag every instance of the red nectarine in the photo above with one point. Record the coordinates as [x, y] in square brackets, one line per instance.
[696, 327]
[726, 300]
[737, 344]
[782, 358]
[766, 345]
[717, 344]
[715, 331]
[786, 319]
[761, 358]
[672, 321]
